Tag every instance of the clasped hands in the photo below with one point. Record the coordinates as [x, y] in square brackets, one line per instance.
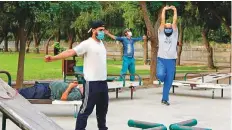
[169, 7]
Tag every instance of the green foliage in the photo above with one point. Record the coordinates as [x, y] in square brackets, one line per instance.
[112, 14]
[60, 48]
[220, 35]
[206, 19]
[132, 15]
[192, 33]
[153, 9]
[46, 16]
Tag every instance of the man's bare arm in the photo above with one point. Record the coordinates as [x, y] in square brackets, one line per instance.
[62, 55]
[163, 17]
[174, 23]
[110, 35]
[67, 91]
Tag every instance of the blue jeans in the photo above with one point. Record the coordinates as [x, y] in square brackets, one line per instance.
[165, 72]
[128, 64]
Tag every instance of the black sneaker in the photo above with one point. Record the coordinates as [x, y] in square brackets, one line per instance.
[165, 103]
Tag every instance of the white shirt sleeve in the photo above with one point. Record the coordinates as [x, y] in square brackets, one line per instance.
[81, 48]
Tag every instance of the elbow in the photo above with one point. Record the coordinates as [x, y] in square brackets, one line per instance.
[71, 52]
[63, 98]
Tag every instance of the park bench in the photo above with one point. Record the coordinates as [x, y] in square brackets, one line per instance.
[204, 81]
[111, 85]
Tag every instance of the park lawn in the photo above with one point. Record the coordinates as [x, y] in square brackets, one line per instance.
[36, 69]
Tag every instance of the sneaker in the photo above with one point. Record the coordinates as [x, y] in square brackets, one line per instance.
[165, 103]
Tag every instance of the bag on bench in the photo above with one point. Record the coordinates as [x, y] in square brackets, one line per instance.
[38, 91]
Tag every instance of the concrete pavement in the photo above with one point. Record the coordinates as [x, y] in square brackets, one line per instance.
[185, 104]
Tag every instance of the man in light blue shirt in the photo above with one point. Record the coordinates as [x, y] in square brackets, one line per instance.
[128, 51]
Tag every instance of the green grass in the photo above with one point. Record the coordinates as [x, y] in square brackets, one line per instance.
[36, 69]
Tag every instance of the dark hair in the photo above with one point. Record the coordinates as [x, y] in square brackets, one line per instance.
[96, 24]
[126, 30]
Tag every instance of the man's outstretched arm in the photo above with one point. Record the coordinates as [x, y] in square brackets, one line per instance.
[139, 38]
[110, 35]
[78, 50]
[163, 17]
[62, 55]
[174, 23]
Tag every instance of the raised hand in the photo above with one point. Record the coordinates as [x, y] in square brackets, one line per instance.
[173, 7]
[166, 7]
[73, 84]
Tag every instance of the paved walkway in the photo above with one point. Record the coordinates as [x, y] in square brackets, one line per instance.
[185, 104]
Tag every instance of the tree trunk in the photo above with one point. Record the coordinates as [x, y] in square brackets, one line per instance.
[153, 37]
[1, 39]
[47, 44]
[145, 51]
[70, 38]
[154, 51]
[209, 49]
[179, 51]
[20, 72]
[17, 44]
[36, 40]
[16, 37]
[28, 43]
[58, 35]
[5, 42]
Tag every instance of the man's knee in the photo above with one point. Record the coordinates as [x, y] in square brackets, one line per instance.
[160, 76]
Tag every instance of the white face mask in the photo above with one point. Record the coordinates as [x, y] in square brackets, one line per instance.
[129, 34]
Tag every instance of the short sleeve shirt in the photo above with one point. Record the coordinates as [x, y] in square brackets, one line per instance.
[94, 68]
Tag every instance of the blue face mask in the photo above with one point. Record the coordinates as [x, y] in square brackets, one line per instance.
[168, 31]
[100, 35]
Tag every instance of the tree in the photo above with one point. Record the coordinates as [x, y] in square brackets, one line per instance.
[40, 26]
[69, 16]
[93, 11]
[222, 11]
[180, 40]
[133, 17]
[5, 25]
[23, 13]
[15, 31]
[208, 21]
[183, 21]
[151, 28]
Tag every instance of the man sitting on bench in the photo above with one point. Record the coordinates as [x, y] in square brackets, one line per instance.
[55, 90]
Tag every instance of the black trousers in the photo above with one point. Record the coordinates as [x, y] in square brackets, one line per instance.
[95, 93]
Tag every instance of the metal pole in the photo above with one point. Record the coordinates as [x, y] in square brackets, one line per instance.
[4, 121]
